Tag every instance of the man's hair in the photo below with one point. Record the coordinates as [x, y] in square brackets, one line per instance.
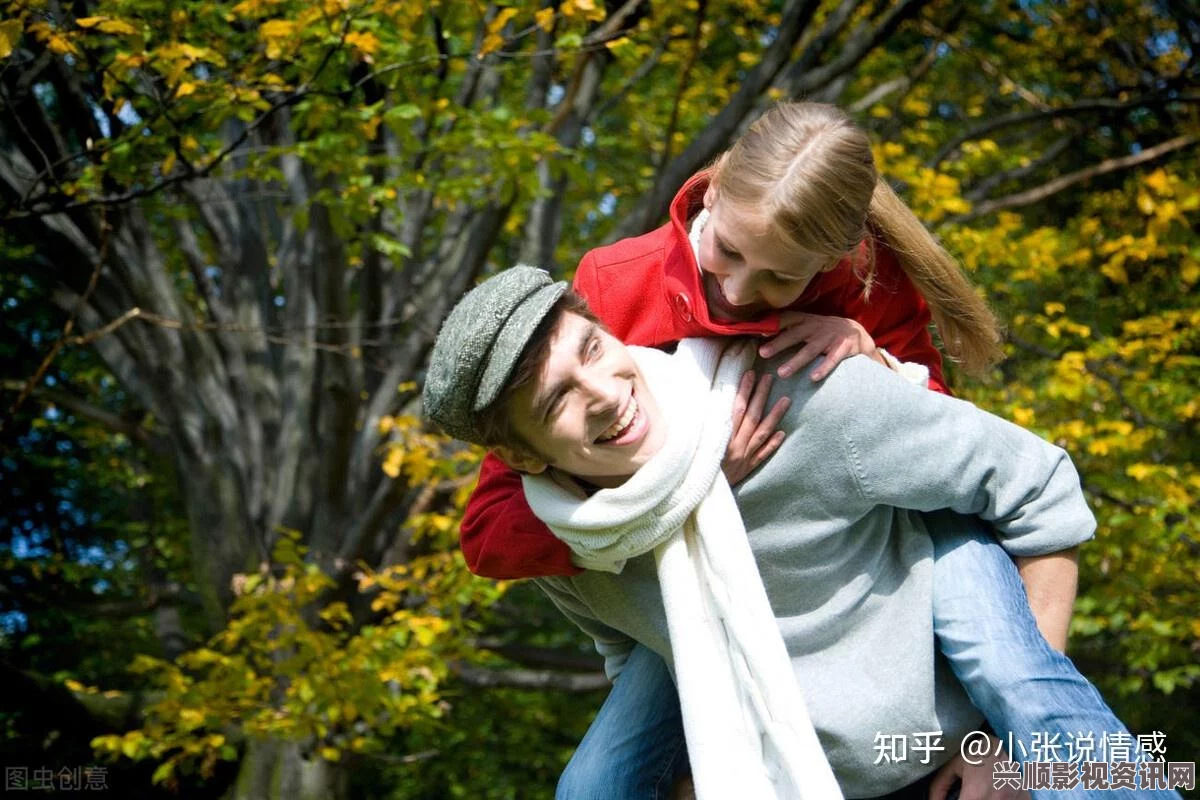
[495, 422]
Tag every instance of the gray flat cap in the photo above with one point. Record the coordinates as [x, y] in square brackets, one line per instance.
[480, 343]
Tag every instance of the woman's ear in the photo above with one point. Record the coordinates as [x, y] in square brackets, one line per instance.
[519, 460]
[710, 194]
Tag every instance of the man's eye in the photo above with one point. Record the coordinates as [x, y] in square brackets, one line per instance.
[593, 348]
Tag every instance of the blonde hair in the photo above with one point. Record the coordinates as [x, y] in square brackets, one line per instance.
[810, 171]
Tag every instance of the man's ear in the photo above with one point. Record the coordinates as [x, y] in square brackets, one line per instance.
[519, 460]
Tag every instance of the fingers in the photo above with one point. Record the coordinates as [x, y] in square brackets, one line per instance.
[833, 356]
[755, 436]
[837, 338]
[758, 401]
[742, 400]
[802, 359]
[787, 337]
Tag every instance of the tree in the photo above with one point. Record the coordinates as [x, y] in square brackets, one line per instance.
[258, 215]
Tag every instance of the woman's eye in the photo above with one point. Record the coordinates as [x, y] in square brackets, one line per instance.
[785, 278]
[725, 251]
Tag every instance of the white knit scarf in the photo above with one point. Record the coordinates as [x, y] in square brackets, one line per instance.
[747, 727]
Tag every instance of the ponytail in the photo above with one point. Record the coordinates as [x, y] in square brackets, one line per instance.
[969, 329]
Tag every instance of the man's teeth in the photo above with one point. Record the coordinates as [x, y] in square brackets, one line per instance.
[622, 423]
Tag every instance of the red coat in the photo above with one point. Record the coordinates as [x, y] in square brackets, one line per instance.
[647, 291]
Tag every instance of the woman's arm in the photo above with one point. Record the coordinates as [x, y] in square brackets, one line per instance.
[500, 536]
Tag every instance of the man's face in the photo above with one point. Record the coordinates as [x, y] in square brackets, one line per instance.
[589, 411]
[746, 273]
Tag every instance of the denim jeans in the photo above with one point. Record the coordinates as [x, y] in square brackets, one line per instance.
[635, 747]
[1030, 693]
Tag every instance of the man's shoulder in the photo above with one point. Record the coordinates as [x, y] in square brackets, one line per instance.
[852, 384]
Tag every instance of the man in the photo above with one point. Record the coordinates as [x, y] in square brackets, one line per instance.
[839, 521]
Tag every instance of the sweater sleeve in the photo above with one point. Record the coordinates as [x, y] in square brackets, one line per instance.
[611, 644]
[919, 450]
[501, 537]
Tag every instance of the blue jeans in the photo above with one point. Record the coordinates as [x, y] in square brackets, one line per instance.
[635, 747]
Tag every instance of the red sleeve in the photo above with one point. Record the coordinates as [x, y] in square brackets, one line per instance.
[898, 319]
[500, 536]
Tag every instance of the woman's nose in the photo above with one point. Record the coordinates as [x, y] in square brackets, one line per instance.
[736, 289]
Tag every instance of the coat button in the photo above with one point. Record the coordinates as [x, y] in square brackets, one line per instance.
[683, 306]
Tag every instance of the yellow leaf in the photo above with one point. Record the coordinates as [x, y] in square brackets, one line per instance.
[129, 746]
[330, 753]
[61, 45]
[545, 19]
[273, 33]
[391, 465]
[10, 34]
[163, 772]
[184, 89]
[501, 20]
[916, 107]
[190, 719]
[365, 43]
[1158, 181]
[1139, 472]
[491, 43]
[1114, 270]
[1189, 270]
[1054, 308]
[168, 163]
[1023, 416]
[116, 26]
[107, 25]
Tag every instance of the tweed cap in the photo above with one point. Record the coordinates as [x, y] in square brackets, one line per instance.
[480, 343]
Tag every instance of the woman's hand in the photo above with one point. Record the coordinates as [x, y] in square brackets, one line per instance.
[836, 337]
[755, 437]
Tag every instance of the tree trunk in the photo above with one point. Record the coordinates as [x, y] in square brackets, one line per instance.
[274, 770]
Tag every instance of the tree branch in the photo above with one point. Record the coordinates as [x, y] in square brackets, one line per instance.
[1075, 109]
[1036, 195]
[484, 678]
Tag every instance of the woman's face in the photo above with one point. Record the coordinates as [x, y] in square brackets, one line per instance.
[746, 272]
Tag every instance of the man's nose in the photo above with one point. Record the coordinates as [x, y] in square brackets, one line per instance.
[603, 392]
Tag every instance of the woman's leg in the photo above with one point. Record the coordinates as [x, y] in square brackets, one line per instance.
[1023, 686]
[634, 748]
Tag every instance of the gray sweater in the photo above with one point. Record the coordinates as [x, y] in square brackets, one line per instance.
[834, 520]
